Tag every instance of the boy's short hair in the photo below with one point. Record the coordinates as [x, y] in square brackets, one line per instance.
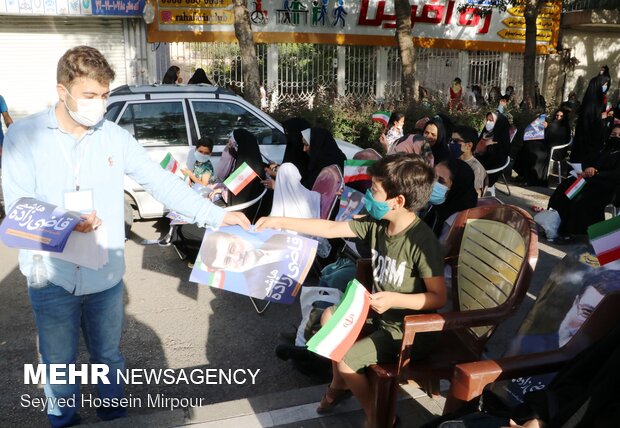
[83, 61]
[407, 175]
[205, 142]
[468, 134]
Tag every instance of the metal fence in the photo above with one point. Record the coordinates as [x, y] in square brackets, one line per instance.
[570, 5]
[374, 73]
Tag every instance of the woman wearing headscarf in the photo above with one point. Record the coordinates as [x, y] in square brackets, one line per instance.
[198, 77]
[291, 198]
[435, 135]
[602, 175]
[453, 191]
[294, 152]
[494, 145]
[532, 161]
[323, 151]
[589, 128]
[172, 76]
[248, 151]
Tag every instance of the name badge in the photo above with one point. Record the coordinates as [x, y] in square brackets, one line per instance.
[79, 200]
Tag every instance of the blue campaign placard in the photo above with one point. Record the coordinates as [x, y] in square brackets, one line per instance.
[35, 225]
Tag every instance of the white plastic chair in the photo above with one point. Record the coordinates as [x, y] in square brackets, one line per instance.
[552, 161]
[501, 169]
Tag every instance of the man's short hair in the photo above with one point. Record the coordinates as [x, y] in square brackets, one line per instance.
[407, 175]
[83, 61]
[468, 134]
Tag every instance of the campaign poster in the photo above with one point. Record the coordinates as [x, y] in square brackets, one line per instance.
[31, 224]
[351, 203]
[269, 265]
[535, 130]
[571, 293]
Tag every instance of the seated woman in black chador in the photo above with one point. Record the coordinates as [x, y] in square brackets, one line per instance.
[602, 176]
[532, 162]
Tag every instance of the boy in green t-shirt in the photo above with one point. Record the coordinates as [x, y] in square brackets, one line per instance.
[407, 264]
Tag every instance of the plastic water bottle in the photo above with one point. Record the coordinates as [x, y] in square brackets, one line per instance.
[38, 273]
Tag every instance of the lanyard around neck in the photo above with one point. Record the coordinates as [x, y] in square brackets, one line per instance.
[75, 167]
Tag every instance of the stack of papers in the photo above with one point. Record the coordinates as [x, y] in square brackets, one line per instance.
[86, 249]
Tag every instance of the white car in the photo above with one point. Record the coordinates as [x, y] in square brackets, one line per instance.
[171, 118]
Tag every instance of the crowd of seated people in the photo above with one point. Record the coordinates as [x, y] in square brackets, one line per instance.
[447, 162]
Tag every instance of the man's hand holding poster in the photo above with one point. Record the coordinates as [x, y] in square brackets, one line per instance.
[269, 265]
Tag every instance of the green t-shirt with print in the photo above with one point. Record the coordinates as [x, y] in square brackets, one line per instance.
[400, 262]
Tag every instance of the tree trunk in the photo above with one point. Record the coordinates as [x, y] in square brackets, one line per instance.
[243, 31]
[406, 49]
[529, 57]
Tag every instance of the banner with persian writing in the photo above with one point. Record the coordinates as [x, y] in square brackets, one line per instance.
[437, 23]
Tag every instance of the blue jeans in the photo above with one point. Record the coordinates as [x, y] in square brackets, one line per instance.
[59, 316]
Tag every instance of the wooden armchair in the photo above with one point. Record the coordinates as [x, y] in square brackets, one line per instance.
[469, 379]
[492, 252]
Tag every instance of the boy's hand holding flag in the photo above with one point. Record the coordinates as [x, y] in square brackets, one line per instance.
[337, 336]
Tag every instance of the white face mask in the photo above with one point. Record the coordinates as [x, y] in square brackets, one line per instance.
[89, 111]
[489, 126]
[201, 157]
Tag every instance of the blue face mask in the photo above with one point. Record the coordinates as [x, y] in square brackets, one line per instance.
[376, 209]
[455, 149]
[438, 196]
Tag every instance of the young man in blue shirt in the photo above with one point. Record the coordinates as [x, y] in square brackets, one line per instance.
[71, 157]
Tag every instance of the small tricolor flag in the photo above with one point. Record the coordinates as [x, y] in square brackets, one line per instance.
[357, 170]
[381, 117]
[575, 188]
[605, 239]
[240, 178]
[337, 336]
[169, 163]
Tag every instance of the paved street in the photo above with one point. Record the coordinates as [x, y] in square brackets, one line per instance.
[171, 322]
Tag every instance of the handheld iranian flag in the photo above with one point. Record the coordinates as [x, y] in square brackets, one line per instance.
[169, 163]
[240, 178]
[605, 239]
[575, 188]
[381, 117]
[337, 336]
[357, 170]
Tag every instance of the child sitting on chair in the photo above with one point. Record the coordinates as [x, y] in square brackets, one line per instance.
[407, 264]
